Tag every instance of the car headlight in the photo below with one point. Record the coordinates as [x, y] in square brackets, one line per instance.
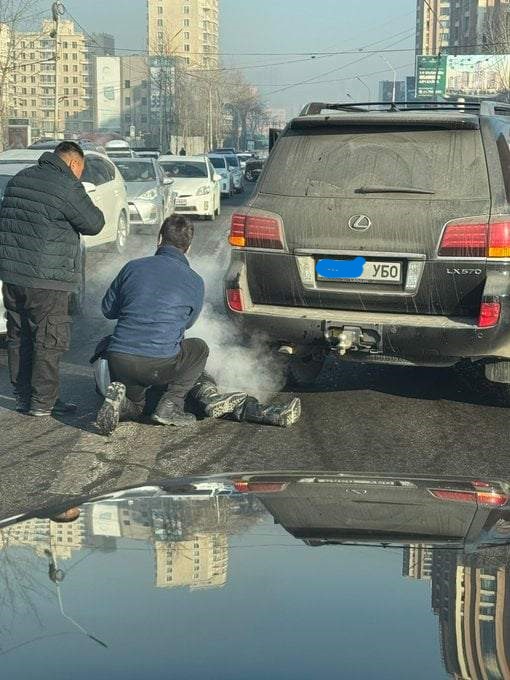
[203, 191]
[149, 195]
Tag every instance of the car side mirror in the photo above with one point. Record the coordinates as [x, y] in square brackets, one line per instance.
[168, 180]
[89, 187]
[216, 177]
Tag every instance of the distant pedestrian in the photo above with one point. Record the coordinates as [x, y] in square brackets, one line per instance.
[182, 152]
[44, 211]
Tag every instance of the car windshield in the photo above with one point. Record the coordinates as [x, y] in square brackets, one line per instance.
[184, 169]
[137, 171]
[218, 163]
[233, 161]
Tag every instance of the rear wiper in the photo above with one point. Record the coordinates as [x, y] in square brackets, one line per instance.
[392, 190]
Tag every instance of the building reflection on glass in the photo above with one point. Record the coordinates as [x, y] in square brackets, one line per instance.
[189, 536]
[471, 597]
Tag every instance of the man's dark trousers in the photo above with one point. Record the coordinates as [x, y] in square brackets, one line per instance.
[179, 374]
[38, 334]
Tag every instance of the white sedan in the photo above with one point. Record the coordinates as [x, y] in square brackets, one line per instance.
[196, 183]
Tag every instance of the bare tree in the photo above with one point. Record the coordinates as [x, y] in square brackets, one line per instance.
[15, 16]
[247, 108]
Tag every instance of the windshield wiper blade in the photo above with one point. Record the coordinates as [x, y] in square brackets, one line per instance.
[392, 190]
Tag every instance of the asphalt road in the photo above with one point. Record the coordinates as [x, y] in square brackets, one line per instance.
[357, 418]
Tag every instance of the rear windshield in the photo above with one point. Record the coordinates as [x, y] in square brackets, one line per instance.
[328, 163]
[218, 163]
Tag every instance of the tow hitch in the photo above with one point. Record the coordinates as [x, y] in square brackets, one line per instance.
[353, 339]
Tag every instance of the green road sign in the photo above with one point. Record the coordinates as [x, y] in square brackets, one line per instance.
[431, 76]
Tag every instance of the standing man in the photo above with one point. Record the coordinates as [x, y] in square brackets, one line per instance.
[44, 211]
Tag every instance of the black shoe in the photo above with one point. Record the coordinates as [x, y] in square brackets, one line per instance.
[168, 413]
[62, 408]
[22, 404]
[109, 413]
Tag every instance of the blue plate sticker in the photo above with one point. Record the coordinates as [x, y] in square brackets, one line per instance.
[341, 269]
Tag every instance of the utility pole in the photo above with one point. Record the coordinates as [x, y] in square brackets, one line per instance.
[57, 10]
[394, 93]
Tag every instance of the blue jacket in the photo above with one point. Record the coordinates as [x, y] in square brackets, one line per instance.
[154, 299]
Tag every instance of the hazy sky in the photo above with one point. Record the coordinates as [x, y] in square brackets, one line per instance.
[272, 27]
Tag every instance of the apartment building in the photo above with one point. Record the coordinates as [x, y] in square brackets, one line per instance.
[185, 28]
[35, 74]
[462, 26]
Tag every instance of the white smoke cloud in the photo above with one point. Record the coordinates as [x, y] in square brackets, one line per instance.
[235, 365]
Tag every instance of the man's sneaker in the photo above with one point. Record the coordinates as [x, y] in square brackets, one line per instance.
[109, 413]
[63, 408]
[168, 413]
[224, 404]
[22, 404]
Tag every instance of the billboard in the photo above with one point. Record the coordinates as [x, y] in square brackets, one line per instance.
[108, 94]
[465, 75]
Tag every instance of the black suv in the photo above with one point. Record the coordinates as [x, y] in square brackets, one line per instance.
[383, 235]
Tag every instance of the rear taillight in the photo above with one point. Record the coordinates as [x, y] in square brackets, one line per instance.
[492, 498]
[499, 238]
[256, 231]
[259, 487]
[464, 240]
[474, 238]
[489, 314]
[235, 300]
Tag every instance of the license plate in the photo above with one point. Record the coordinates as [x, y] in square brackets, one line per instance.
[181, 201]
[373, 272]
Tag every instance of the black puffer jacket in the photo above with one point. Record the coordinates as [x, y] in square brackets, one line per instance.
[44, 211]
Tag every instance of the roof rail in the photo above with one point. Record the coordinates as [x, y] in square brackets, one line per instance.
[315, 108]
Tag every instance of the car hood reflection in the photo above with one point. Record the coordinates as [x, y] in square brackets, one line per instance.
[255, 576]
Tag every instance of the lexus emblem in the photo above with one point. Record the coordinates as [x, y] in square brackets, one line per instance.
[360, 223]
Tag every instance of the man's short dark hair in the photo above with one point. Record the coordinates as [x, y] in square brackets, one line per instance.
[66, 148]
[177, 231]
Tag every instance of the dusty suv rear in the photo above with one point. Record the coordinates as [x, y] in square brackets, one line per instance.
[383, 236]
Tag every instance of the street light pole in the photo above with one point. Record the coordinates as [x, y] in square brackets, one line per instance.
[56, 10]
[365, 85]
[394, 94]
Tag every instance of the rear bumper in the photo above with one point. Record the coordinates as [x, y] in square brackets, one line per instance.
[414, 338]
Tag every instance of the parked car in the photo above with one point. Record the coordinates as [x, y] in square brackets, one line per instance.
[237, 174]
[150, 194]
[219, 163]
[381, 236]
[197, 184]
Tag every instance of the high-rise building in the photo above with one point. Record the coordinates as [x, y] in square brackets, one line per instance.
[386, 90]
[418, 562]
[198, 563]
[32, 85]
[185, 28]
[135, 89]
[462, 26]
[102, 44]
[43, 534]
